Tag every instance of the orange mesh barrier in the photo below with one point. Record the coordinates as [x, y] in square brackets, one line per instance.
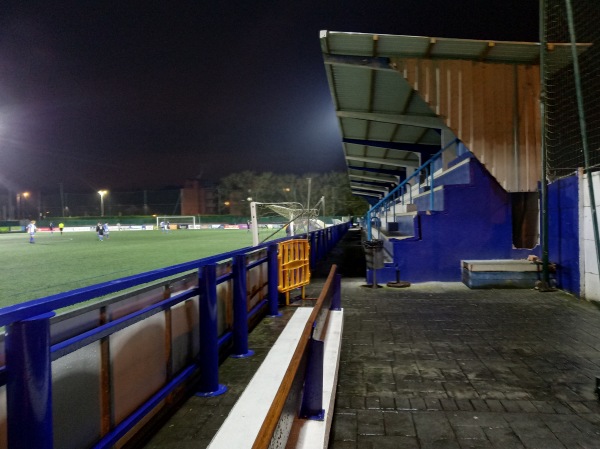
[294, 270]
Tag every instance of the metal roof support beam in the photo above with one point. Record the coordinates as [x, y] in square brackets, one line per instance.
[373, 195]
[413, 147]
[385, 171]
[410, 120]
[364, 62]
[368, 184]
[383, 161]
[380, 178]
[369, 188]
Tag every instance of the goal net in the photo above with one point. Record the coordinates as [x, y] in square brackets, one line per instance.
[276, 220]
[176, 222]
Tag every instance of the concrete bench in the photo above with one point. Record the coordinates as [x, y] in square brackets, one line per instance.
[267, 409]
[500, 273]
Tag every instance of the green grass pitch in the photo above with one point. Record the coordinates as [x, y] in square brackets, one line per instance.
[58, 263]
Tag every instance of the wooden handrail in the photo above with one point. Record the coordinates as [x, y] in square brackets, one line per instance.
[265, 434]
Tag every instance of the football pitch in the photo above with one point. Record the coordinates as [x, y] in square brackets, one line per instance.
[57, 263]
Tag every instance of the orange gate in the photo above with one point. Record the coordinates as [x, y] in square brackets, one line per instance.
[294, 270]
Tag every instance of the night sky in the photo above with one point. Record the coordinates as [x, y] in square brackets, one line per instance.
[126, 95]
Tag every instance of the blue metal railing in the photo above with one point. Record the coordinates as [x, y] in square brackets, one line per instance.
[425, 171]
[29, 351]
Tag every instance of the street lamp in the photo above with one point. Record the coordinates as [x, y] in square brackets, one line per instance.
[102, 193]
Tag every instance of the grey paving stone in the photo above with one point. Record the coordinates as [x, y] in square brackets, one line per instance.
[432, 426]
[479, 405]
[460, 390]
[448, 404]
[403, 403]
[336, 444]
[344, 427]
[495, 405]
[464, 404]
[439, 444]
[373, 402]
[527, 406]
[399, 424]
[387, 402]
[433, 404]
[511, 406]
[387, 442]
[475, 444]
[503, 438]
[370, 422]
[543, 406]
[474, 432]
[417, 404]
[357, 402]
[535, 434]
[474, 418]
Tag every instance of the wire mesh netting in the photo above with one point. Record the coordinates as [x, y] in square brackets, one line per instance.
[564, 139]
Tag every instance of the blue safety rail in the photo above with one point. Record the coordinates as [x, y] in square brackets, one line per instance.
[216, 310]
[399, 194]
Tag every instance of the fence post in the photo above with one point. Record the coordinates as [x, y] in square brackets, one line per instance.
[240, 309]
[336, 300]
[273, 280]
[209, 341]
[313, 249]
[312, 396]
[29, 383]
[431, 198]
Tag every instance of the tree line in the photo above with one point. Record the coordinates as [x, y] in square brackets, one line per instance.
[333, 187]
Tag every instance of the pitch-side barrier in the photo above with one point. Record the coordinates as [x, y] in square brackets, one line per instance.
[289, 401]
[97, 376]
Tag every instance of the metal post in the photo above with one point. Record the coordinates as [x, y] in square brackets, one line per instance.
[240, 309]
[29, 383]
[313, 249]
[431, 199]
[312, 396]
[544, 183]
[374, 276]
[273, 281]
[209, 341]
[336, 300]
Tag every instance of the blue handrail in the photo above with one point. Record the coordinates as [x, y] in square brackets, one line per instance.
[390, 197]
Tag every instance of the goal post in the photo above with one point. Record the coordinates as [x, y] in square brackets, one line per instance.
[187, 220]
[282, 219]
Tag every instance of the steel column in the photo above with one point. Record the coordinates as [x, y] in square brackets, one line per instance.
[312, 396]
[29, 383]
[240, 309]
[209, 339]
[273, 281]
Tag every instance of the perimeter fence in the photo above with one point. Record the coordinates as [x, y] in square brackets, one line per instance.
[565, 142]
[36, 205]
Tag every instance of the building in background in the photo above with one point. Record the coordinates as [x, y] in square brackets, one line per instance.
[199, 198]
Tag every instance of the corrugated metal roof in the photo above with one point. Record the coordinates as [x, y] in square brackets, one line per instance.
[387, 128]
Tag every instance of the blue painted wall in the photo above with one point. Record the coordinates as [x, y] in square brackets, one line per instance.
[563, 232]
[475, 223]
